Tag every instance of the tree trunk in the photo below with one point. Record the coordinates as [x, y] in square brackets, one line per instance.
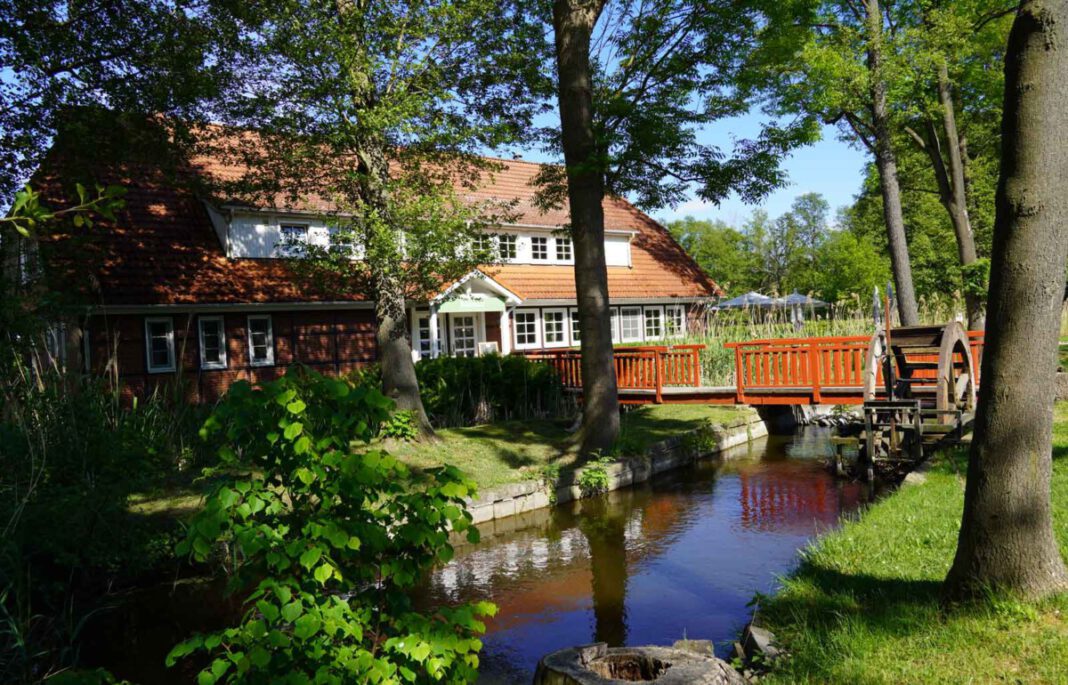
[1006, 538]
[573, 23]
[399, 381]
[952, 186]
[886, 162]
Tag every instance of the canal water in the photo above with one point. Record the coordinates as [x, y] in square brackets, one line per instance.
[678, 556]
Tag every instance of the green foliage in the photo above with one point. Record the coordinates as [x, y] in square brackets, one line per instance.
[663, 72]
[463, 391]
[324, 537]
[593, 478]
[796, 251]
[976, 277]
[28, 214]
[400, 426]
[70, 457]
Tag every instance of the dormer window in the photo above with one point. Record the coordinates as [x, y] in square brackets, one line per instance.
[563, 249]
[507, 244]
[294, 238]
[484, 243]
[539, 248]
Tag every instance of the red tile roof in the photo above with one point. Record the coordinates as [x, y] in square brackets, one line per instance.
[164, 250]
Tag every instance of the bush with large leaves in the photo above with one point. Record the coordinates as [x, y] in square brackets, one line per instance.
[325, 536]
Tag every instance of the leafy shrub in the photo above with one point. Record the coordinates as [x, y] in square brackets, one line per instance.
[464, 391]
[324, 537]
[70, 456]
[400, 426]
[593, 478]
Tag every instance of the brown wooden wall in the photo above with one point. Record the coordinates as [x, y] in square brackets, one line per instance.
[329, 341]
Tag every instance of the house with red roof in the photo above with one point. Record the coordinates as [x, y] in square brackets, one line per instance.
[204, 289]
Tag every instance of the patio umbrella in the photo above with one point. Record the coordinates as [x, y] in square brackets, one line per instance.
[797, 299]
[750, 299]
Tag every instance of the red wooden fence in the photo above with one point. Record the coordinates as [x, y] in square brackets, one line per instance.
[814, 367]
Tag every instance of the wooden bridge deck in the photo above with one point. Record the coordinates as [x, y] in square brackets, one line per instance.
[789, 371]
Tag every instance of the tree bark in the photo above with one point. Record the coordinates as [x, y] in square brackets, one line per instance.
[886, 162]
[399, 381]
[1006, 539]
[573, 22]
[952, 185]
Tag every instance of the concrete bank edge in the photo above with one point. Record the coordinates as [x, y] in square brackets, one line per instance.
[684, 449]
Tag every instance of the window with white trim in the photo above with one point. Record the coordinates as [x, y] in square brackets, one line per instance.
[630, 324]
[675, 320]
[539, 248]
[576, 331]
[554, 323]
[507, 245]
[212, 342]
[484, 242]
[422, 323]
[654, 323]
[260, 340]
[294, 239]
[159, 344]
[526, 330]
[563, 250]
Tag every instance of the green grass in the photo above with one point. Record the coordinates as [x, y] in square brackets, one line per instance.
[512, 451]
[863, 606]
[1064, 355]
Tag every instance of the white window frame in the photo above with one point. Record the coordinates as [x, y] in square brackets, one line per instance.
[284, 248]
[204, 363]
[537, 329]
[670, 311]
[565, 325]
[509, 239]
[560, 242]
[417, 332]
[252, 361]
[476, 331]
[535, 242]
[617, 336]
[170, 366]
[646, 320]
[622, 321]
[574, 333]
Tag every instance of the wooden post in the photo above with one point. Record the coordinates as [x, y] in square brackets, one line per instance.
[814, 371]
[658, 375]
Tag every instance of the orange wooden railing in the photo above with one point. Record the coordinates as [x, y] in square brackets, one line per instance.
[831, 365]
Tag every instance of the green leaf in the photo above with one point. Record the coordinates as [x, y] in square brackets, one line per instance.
[184, 648]
[306, 626]
[323, 573]
[305, 475]
[293, 430]
[297, 406]
[291, 611]
[259, 657]
[302, 445]
[310, 556]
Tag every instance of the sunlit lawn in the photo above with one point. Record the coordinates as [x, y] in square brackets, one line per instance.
[863, 606]
[513, 451]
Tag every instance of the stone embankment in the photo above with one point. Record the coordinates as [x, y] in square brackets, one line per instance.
[711, 439]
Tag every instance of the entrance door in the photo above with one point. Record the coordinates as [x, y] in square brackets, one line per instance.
[464, 335]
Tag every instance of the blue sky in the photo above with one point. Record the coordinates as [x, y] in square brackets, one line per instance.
[830, 167]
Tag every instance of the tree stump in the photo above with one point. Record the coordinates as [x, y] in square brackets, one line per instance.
[598, 664]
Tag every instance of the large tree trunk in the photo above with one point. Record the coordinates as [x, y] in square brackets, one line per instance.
[952, 186]
[1006, 536]
[399, 381]
[573, 22]
[886, 162]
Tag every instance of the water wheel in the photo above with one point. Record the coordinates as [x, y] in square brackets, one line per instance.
[932, 364]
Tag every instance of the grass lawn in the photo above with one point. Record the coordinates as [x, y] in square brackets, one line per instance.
[513, 451]
[863, 605]
[1064, 355]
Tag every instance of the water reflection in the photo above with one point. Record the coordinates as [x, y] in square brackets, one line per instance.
[682, 554]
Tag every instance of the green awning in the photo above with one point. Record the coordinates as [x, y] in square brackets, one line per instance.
[470, 305]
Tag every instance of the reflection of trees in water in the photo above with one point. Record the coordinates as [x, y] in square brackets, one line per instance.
[604, 524]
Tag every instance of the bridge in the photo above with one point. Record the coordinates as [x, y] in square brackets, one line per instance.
[938, 362]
